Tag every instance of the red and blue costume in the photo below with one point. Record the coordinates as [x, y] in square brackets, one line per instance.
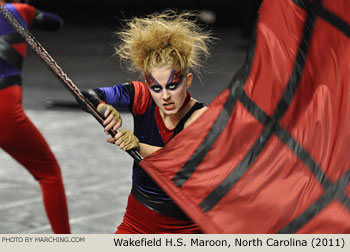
[149, 210]
[19, 137]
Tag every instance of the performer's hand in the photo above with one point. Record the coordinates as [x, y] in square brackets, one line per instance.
[113, 120]
[126, 140]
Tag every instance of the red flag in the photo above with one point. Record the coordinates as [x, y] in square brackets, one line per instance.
[271, 153]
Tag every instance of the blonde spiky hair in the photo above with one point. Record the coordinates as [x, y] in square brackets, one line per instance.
[161, 39]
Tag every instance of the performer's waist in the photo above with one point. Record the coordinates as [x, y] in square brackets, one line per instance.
[142, 180]
[8, 81]
[157, 204]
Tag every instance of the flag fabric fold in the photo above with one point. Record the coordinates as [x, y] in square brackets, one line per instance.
[271, 153]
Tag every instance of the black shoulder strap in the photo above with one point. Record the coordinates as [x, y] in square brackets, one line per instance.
[130, 87]
[9, 54]
[181, 124]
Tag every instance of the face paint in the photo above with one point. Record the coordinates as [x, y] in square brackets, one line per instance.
[168, 89]
[174, 81]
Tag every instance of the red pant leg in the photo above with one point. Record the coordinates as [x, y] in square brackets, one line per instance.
[22, 140]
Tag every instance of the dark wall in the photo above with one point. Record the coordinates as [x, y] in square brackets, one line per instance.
[228, 12]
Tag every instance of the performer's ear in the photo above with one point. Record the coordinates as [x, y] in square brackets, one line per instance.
[188, 80]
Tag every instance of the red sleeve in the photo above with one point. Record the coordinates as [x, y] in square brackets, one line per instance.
[27, 12]
[142, 97]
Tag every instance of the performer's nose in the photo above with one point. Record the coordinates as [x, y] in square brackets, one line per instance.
[165, 95]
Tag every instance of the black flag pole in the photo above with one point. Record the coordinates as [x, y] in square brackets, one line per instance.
[57, 70]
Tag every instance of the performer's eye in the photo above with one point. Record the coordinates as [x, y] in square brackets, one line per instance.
[173, 86]
[156, 88]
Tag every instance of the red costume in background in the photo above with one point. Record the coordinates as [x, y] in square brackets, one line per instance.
[19, 137]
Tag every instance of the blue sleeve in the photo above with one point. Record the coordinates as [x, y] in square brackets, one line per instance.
[118, 96]
[47, 21]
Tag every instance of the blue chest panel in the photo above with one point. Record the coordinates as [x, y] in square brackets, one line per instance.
[146, 130]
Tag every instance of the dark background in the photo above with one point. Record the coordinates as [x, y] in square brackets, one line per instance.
[240, 13]
[84, 47]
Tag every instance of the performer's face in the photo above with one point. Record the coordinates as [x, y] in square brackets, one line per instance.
[168, 88]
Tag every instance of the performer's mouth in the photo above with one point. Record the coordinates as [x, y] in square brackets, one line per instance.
[169, 106]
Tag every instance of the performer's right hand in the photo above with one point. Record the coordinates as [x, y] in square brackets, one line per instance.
[126, 140]
[113, 119]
